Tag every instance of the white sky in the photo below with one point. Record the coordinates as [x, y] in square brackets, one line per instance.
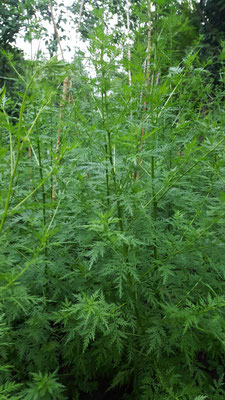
[73, 41]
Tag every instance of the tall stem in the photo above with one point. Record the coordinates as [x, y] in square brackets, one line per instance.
[9, 192]
[153, 162]
[56, 30]
[104, 123]
[42, 187]
[109, 149]
[128, 41]
[19, 149]
[153, 159]
[146, 83]
[42, 180]
[66, 86]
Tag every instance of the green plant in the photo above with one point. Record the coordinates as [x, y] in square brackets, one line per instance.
[118, 281]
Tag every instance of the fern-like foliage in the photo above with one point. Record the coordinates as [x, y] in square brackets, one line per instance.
[112, 245]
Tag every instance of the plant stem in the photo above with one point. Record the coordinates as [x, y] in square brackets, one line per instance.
[128, 41]
[9, 191]
[154, 201]
[113, 172]
[42, 179]
[146, 84]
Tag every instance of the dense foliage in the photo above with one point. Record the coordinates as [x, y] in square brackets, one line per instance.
[112, 214]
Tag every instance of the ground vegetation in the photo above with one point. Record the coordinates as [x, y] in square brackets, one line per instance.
[112, 214]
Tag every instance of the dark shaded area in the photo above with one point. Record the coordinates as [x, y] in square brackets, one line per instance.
[103, 394]
[209, 17]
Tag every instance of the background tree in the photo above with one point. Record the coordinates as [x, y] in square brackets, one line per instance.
[16, 16]
[209, 17]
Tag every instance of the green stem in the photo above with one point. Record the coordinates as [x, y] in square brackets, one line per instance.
[154, 202]
[37, 187]
[175, 178]
[109, 154]
[113, 172]
[132, 286]
[103, 118]
[9, 192]
[107, 176]
[42, 180]
[19, 149]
